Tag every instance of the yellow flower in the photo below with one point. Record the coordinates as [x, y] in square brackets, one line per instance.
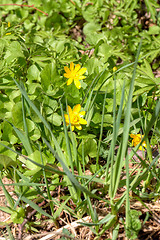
[74, 74]
[75, 117]
[9, 25]
[137, 139]
[115, 69]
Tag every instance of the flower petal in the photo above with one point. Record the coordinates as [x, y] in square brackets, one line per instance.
[77, 108]
[82, 71]
[77, 67]
[79, 127]
[67, 75]
[81, 77]
[77, 84]
[66, 69]
[133, 143]
[82, 113]
[132, 135]
[69, 110]
[72, 127]
[66, 119]
[144, 144]
[82, 121]
[71, 66]
[70, 80]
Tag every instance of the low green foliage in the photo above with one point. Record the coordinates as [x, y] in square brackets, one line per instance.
[134, 225]
[91, 67]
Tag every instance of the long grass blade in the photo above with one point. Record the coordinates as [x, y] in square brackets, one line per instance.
[36, 207]
[47, 186]
[67, 139]
[7, 195]
[101, 130]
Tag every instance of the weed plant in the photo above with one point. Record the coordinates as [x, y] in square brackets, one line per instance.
[79, 112]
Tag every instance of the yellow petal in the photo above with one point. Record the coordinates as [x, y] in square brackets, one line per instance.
[72, 127]
[142, 148]
[115, 69]
[77, 84]
[139, 135]
[132, 135]
[82, 70]
[81, 77]
[66, 119]
[77, 67]
[69, 110]
[79, 127]
[82, 121]
[71, 66]
[144, 144]
[66, 69]
[67, 75]
[82, 113]
[70, 80]
[133, 143]
[77, 108]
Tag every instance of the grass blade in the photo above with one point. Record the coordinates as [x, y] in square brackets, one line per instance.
[7, 195]
[23, 138]
[35, 207]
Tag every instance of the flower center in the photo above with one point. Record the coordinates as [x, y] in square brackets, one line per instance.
[75, 119]
[74, 74]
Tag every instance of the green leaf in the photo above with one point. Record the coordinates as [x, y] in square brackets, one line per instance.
[154, 30]
[90, 30]
[90, 147]
[36, 157]
[148, 69]
[14, 51]
[18, 215]
[134, 224]
[49, 75]
[55, 119]
[105, 50]
[17, 116]
[23, 139]
[7, 152]
[6, 161]
[33, 73]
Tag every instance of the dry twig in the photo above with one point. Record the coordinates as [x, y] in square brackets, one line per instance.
[21, 5]
[72, 225]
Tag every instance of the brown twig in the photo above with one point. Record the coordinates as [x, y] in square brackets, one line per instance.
[72, 2]
[21, 5]
[52, 235]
